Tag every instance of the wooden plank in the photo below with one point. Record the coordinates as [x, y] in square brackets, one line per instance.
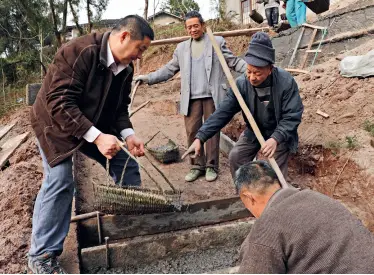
[223, 34]
[313, 51]
[69, 258]
[10, 146]
[296, 71]
[4, 130]
[198, 214]
[309, 47]
[144, 250]
[296, 46]
[314, 26]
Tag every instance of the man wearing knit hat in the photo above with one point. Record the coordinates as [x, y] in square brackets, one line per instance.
[272, 96]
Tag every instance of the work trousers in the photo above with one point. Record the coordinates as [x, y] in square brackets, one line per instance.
[52, 210]
[199, 109]
[246, 150]
[296, 12]
[272, 15]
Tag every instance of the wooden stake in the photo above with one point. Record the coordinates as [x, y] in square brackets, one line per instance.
[244, 106]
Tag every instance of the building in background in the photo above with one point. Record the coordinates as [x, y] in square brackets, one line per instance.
[163, 18]
[101, 26]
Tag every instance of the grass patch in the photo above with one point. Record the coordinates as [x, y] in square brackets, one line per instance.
[334, 146]
[369, 127]
[352, 142]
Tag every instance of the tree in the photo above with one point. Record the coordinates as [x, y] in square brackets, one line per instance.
[99, 6]
[180, 7]
[55, 22]
[219, 6]
[145, 14]
[20, 24]
[73, 4]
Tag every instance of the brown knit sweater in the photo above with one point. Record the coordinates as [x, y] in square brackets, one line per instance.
[307, 232]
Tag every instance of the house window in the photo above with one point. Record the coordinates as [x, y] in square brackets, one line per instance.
[246, 9]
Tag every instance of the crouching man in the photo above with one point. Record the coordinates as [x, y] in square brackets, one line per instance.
[299, 231]
[272, 96]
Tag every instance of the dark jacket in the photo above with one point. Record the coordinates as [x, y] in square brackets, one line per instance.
[307, 232]
[287, 104]
[73, 95]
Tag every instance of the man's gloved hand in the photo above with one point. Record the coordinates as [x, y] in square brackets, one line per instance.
[142, 79]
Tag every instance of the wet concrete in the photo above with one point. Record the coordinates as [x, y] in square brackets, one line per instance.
[193, 262]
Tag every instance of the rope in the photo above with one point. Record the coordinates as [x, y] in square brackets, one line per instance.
[324, 33]
[125, 166]
[123, 171]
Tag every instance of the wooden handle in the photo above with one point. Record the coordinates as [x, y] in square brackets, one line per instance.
[133, 93]
[244, 106]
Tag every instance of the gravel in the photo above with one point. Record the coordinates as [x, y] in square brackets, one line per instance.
[191, 262]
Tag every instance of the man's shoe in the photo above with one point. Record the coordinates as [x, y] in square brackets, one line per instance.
[193, 175]
[210, 174]
[45, 264]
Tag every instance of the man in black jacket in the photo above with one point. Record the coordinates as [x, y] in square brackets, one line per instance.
[272, 96]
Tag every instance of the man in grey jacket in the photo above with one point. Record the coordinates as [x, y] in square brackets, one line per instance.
[272, 96]
[203, 88]
[299, 231]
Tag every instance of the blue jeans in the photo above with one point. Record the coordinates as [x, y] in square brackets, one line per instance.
[52, 210]
[296, 12]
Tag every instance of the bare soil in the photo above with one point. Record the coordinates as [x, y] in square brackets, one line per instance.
[324, 142]
[159, 115]
[19, 185]
[349, 102]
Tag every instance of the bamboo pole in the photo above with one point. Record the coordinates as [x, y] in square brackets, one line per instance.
[223, 34]
[244, 106]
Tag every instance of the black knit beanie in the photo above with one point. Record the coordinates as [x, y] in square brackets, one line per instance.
[260, 51]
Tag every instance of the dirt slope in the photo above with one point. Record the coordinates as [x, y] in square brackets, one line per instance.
[19, 185]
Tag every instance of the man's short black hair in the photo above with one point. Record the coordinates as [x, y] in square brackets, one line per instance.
[194, 14]
[256, 175]
[136, 25]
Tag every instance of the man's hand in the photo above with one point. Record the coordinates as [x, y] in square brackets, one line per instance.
[142, 79]
[135, 145]
[195, 147]
[107, 145]
[269, 148]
